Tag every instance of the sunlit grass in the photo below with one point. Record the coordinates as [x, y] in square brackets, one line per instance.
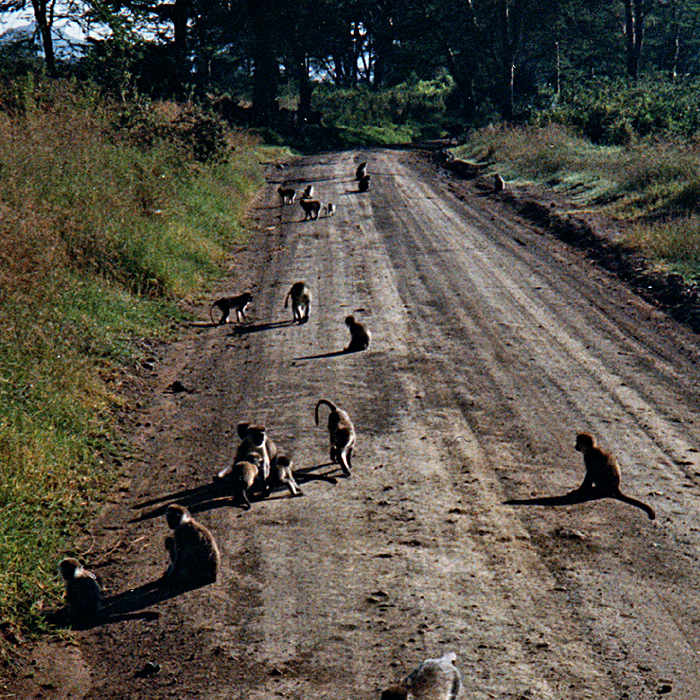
[99, 238]
[676, 241]
[654, 184]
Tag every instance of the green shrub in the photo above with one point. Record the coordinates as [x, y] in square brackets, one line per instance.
[416, 104]
[614, 112]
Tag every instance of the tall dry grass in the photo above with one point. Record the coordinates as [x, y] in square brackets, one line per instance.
[652, 184]
[108, 215]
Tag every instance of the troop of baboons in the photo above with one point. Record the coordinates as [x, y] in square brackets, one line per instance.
[300, 295]
[258, 468]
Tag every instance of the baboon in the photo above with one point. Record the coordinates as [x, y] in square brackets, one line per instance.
[363, 185]
[308, 192]
[330, 209]
[281, 473]
[603, 474]
[434, 679]
[242, 477]
[499, 184]
[194, 556]
[287, 195]
[311, 208]
[361, 171]
[301, 301]
[254, 441]
[228, 304]
[360, 337]
[342, 436]
[83, 592]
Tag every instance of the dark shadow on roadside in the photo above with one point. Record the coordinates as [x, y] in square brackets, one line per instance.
[203, 324]
[129, 605]
[258, 327]
[335, 353]
[306, 474]
[183, 497]
[196, 500]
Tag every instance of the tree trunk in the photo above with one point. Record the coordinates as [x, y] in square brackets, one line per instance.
[266, 69]
[510, 40]
[180, 17]
[44, 22]
[305, 86]
[465, 86]
[634, 35]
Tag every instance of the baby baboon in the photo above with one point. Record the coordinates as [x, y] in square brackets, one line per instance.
[254, 441]
[83, 592]
[194, 556]
[308, 192]
[242, 477]
[363, 185]
[281, 473]
[434, 679]
[228, 304]
[311, 208]
[603, 474]
[499, 184]
[342, 436]
[301, 301]
[287, 195]
[361, 171]
[360, 337]
[330, 209]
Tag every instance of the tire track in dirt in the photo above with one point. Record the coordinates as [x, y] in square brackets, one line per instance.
[493, 345]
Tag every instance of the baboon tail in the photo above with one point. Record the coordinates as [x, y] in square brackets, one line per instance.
[638, 504]
[328, 403]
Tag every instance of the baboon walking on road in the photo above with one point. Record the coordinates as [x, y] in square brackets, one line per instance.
[341, 433]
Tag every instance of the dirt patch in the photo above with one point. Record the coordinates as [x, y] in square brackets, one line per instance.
[599, 237]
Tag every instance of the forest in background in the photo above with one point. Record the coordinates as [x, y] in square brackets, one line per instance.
[289, 62]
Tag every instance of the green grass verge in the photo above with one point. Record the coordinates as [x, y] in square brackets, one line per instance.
[106, 222]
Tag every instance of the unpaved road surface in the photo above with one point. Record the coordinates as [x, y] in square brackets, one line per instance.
[493, 345]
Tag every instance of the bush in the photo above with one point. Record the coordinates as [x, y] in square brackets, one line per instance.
[417, 105]
[614, 112]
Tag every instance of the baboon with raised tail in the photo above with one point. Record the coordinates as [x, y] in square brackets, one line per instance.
[341, 433]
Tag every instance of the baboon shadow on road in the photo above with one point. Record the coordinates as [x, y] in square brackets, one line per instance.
[259, 327]
[578, 495]
[129, 605]
[334, 353]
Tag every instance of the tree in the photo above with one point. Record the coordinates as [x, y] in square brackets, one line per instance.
[634, 35]
[44, 15]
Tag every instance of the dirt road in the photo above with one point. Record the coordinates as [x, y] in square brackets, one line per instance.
[493, 345]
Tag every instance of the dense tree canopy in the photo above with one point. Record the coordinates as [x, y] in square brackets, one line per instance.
[503, 56]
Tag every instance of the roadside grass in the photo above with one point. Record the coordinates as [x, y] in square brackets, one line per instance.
[652, 185]
[105, 224]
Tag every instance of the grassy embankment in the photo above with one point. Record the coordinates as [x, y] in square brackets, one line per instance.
[109, 214]
[653, 186]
